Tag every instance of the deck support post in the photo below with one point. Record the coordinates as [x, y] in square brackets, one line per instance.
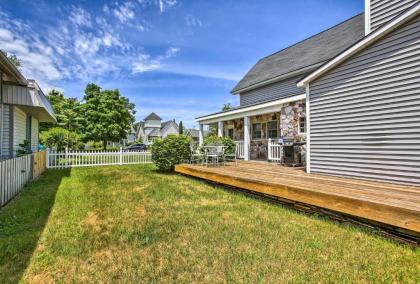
[220, 128]
[200, 134]
[247, 139]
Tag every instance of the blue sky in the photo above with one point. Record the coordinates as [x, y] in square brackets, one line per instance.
[177, 58]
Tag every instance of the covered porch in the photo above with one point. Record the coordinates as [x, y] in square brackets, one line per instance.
[259, 129]
[394, 208]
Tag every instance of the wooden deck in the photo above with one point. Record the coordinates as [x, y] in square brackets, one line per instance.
[389, 204]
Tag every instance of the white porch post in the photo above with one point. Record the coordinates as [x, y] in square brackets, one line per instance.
[247, 139]
[220, 128]
[200, 134]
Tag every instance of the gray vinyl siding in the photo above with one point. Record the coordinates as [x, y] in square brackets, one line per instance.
[19, 128]
[7, 131]
[365, 113]
[381, 11]
[278, 90]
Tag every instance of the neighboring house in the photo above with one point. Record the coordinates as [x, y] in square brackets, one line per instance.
[152, 127]
[131, 135]
[352, 90]
[195, 134]
[23, 106]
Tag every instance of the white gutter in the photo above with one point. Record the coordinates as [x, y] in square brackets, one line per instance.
[248, 111]
[372, 37]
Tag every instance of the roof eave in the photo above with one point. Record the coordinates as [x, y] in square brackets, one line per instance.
[12, 70]
[277, 78]
[367, 40]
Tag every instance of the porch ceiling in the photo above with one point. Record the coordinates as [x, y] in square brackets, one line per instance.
[267, 107]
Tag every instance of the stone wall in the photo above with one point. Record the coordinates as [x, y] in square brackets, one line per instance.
[290, 115]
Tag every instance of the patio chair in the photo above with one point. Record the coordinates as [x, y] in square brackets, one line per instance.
[196, 155]
[231, 156]
[214, 154]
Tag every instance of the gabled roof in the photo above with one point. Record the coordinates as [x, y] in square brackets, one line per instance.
[366, 41]
[154, 132]
[308, 53]
[153, 116]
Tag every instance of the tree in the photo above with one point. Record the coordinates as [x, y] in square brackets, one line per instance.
[181, 128]
[68, 112]
[59, 138]
[226, 107]
[108, 115]
[13, 58]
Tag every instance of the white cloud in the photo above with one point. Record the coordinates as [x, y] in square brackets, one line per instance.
[80, 17]
[145, 63]
[193, 21]
[125, 12]
[165, 4]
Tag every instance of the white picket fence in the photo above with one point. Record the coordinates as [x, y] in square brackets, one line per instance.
[69, 159]
[240, 152]
[14, 174]
[275, 150]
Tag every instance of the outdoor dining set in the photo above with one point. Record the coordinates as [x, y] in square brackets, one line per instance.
[212, 154]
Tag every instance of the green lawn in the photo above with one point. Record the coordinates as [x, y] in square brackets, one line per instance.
[132, 224]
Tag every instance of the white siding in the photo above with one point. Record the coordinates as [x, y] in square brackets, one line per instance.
[19, 127]
[171, 130]
[365, 114]
[382, 11]
[153, 123]
[34, 134]
[278, 90]
[7, 139]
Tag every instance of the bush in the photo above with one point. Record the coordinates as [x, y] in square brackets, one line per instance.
[169, 151]
[60, 138]
[225, 141]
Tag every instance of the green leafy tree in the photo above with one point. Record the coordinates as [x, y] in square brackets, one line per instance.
[14, 59]
[226, 107]
[68, 112]
[181, 128]
[225, 141]
[59, 138]
[108, 115]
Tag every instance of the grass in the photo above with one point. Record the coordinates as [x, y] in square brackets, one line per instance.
[132, 224]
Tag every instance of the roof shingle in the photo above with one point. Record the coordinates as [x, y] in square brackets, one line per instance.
[316, 49]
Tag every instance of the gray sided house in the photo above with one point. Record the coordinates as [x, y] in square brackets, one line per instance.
[23, 106]
[351, 91]
[364, 104]
[152, 127]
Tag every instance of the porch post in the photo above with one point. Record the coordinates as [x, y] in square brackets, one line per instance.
[247, 139]
[200, 134]
[220, 128]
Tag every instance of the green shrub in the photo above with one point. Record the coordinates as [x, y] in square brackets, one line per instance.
[169, 151]
[225, 141]
[59, 138]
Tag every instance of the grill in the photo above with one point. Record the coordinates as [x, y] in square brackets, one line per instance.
[291, 152]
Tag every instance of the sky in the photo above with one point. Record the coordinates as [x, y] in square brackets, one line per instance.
[177, 58]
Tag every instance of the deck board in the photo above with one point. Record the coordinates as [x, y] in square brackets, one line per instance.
[391, 204]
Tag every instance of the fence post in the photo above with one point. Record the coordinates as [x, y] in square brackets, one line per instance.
[47, 160]
[67, 157]
[269, 149]
[121, 156]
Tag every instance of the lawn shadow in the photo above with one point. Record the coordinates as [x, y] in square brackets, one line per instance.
[22, 222]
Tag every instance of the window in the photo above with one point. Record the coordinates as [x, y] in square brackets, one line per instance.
[272, 129]
[230, 133]
[302, 125]
[256, 131]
